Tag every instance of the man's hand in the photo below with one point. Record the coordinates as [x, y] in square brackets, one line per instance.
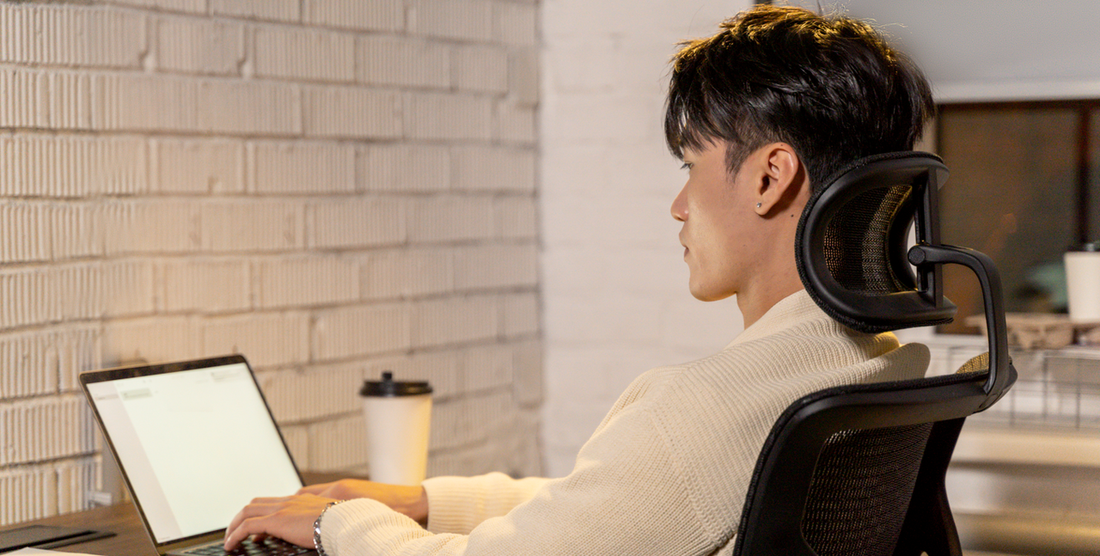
[290, 518]
[409, 500]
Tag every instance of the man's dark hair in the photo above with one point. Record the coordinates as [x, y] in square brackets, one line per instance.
[831, 87]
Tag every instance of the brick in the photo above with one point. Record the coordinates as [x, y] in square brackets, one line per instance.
[25, 229]
[77, 348]
[297, 441]
[523, 76]
[29, 370]
[528, 387]
[451, 219]
[525, 457]
[237, 226]
[26, 492]
[487, 414]
[356, 222]
[304, 54]
[434, 116]
[75, 478]
[451, 19]
[403, 168]
[120, 165]
[73, 231]
[248, 107]
[520, 314]
[58, 166]
[482, 168]
[369, 15]
[267, 339]
[136, 102]
[109, 288]
[447, 429]
[351, 112]
[496, 266]
[206, 285]
[68, 36]
[45, 362]
[361, 330]
[402, 61]
[515, 23]
[480, 68]
[79, 291]
[275, 10]
[305, 281]
[515, 124]
[338, 445]
[24, 99]
[517, 217]
[456, 320]
[198, 166]
[199, 46]
[487, 368]
[28, 298]
[40, 429]
[149, 226]
[150, 339]
[298, 167]
[407, 273]
[297, 396]
[191, 6]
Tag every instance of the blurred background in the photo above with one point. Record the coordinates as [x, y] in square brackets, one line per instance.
[472, 192]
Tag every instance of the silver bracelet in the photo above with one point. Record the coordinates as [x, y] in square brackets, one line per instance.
[317, 529]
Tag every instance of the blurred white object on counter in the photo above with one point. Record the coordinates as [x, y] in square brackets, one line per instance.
[1083, 283]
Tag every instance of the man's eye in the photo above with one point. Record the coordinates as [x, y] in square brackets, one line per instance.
[686, 166]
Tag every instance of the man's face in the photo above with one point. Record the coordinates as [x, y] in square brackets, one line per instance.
[718, 220]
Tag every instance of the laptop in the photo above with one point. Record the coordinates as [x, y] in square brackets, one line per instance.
[195, 442]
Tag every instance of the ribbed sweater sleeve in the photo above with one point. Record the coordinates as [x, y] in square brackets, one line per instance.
[458, 504]
[665, 472]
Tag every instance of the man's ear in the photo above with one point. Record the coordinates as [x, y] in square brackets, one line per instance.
[782, 178]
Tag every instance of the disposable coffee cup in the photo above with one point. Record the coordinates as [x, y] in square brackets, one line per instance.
[1083, 283]
[399, 416]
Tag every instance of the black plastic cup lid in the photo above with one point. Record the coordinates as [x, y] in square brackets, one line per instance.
[389, 388]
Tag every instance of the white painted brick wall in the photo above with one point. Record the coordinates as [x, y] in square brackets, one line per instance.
[371, 15]
[614, 285]
[334, 188]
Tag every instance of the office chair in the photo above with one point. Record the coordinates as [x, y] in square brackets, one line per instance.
[859, 470]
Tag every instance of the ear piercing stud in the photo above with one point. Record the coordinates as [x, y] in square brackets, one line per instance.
[758, 205]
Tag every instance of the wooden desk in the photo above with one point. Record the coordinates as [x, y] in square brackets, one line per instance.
[122, 519]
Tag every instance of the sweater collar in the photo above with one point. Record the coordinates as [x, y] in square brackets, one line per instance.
[795, 308]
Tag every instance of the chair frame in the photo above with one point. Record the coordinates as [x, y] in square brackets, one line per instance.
[777, 497]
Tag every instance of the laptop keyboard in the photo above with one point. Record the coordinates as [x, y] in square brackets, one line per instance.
[267, 547]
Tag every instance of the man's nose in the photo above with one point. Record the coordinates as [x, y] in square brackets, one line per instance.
[679, 206]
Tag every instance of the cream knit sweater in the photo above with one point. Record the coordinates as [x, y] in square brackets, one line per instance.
[666, 471]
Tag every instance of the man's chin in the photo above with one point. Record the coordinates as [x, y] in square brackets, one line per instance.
[707, 295]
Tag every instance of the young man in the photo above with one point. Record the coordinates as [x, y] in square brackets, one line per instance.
[761, 113]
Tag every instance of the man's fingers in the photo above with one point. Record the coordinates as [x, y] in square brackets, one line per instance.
[250, 526]
[259, 507]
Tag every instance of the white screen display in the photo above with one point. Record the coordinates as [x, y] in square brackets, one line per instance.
[196, 446]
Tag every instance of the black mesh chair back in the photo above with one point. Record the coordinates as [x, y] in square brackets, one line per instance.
[859, 470]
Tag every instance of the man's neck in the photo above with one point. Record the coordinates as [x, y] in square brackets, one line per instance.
[757, 301]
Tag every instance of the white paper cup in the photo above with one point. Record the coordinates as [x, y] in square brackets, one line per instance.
[399, 416]
[1083, 285]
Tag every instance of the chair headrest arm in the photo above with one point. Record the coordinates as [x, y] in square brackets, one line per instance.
[997, 331]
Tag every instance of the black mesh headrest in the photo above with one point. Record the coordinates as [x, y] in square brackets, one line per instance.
[852, 243]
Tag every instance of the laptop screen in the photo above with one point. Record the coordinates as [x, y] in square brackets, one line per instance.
[195, 444]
